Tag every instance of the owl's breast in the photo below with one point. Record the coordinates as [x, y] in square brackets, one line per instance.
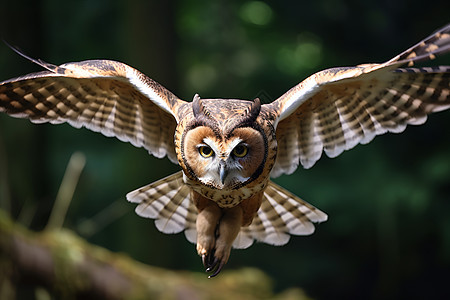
[226, 197]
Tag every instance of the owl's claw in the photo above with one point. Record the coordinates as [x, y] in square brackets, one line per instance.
[207, 261]
[217, 271]
[213, 264]
[216, 268]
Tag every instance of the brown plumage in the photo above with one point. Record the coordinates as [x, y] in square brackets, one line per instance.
[229, 148]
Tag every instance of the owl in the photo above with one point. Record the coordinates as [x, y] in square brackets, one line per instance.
[228, 149]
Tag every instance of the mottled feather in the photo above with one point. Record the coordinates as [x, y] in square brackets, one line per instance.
[101, 95]
[336, 109]
[168, 202]
[281, 214]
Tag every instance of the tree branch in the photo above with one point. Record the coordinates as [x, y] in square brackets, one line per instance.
[69, 267]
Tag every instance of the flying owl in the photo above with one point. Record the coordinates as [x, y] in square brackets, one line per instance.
[229, 148]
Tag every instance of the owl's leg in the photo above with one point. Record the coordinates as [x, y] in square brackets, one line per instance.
[207, 219]
[229, 227]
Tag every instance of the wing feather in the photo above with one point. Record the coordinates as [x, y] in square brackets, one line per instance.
[281, 214]
[336, 109]
[102, 95]
[168, 202]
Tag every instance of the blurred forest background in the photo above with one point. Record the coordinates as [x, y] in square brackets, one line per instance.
[388, 233]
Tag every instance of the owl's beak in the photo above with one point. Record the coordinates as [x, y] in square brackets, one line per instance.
[223, 172]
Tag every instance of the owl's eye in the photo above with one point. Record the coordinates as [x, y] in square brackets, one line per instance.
[205, 151]
[240, 150]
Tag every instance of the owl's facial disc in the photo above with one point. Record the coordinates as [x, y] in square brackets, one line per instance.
[224, 162]
[222, 167]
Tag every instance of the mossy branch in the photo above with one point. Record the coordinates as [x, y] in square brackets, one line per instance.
[71, 268]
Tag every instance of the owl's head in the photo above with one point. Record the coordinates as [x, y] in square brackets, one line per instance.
[223, 146]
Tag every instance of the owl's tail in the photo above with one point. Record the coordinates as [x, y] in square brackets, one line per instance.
[168, 202]
[280, 215]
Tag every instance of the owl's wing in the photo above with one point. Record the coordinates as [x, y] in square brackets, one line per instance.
[336, 109]
[280, 215]
[168, 202]
[101, 95]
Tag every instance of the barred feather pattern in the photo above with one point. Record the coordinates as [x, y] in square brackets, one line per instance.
[336, 109]
[428, 48]
[100, 101]
[280, 215]
[343, 115]
[168, 202]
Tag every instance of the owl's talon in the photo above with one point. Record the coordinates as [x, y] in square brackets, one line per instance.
[207, 261]
[212, 264]
[217, 271]
[215, 266]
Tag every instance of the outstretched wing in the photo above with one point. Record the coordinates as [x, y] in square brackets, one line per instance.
[101, 95]
[336, 109]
